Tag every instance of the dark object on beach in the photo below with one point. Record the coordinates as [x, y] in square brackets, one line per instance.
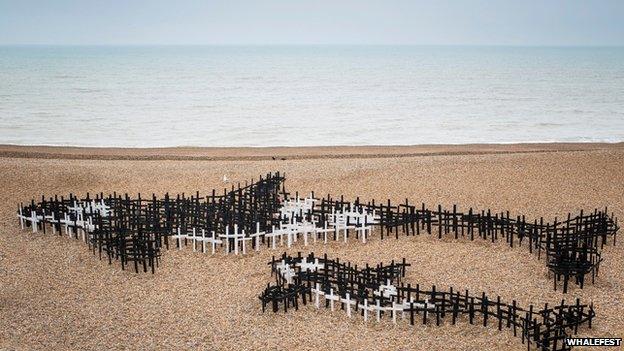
[283, 159]
[273, 157]
[379, 291]
[133, 230]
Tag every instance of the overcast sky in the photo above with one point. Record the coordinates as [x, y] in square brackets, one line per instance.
[437, 22]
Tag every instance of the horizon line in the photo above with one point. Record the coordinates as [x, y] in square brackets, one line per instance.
[311, 44]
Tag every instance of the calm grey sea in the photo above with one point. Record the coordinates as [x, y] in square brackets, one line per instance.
[309, 95]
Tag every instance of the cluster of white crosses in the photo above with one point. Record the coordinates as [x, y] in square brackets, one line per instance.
[293, 226]
[295, 212]
[78, 210]
[387, 291]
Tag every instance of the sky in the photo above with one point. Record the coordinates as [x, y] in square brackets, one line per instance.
[266, 22]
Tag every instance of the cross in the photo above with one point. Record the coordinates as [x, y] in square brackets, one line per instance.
[213, 241]
[348, 301]
[310, 266]
[286, 271]
[317, 292]
[386, 290]
[273, 234]
[332, 298]
[33, 221]
[257, 235]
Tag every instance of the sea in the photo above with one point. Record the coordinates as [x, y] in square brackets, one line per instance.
[163, 96]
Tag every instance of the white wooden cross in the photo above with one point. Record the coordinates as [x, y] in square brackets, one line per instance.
[90, 227]
[21, 216]
[273, 234]
[257, 236]
[194, 240]
[77, 208]
[66, 221]
[306, 229]
[33, 221]
[100, 207]
[386, 290]
[310, 266]
[80, 223]
[340, 220]
[331, 297]
[244, 240]
[203, 239]
[213, 241]
[286, 271]
[179, 237]
[348, 301]
[428, 306]
[325, 230]
[367, 308]
[364, 229]
[317, 292]
[290, 232]
[52, 220]
[236, 236]
[395, 308]
[406, 305]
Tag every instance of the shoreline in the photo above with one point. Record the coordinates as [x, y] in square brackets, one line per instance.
[287, 152]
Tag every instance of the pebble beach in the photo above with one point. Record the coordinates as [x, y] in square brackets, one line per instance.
[56, 295]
